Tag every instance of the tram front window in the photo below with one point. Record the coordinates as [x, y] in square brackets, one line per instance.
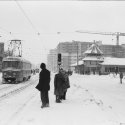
[12, 64]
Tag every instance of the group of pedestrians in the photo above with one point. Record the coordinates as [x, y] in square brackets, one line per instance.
[61, 84]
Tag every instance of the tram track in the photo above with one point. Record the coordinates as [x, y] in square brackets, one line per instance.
[8, 86]
[5, 87]
[16, 90]
[15, 116]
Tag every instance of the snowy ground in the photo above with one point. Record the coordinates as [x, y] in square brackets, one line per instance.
[91, 100]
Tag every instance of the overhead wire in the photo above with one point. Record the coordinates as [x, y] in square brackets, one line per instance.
[26, 16]
[7, 32]
[31, 23]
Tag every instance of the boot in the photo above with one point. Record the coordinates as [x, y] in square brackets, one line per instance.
[58, 99]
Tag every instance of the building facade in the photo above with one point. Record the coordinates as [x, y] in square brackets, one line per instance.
[52, 60]
[73, 51]
[93, 58]
[113, 50]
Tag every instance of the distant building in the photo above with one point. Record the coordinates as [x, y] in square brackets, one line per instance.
[52, 60]
[113, 50]
[73, 51]
[112, 64]
[1, 54]
[93, 57]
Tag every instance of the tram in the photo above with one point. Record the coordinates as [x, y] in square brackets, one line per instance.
[15, 69]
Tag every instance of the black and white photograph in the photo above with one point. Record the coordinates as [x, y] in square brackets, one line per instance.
[62, 62]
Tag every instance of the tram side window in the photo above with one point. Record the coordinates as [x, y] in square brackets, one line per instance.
[13, 64]
[26, 66]
[0, 58]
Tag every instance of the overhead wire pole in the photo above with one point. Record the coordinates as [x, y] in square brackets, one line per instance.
[59, 55]
[77, 58]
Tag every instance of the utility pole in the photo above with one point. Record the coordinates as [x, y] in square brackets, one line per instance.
[77, 55]
[59, 56]
[117, 38]
[77, 49]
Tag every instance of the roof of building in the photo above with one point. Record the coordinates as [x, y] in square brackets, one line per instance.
[93, 49]
[113, 61]
[108, 61]
[93, 58]
[12, 58]
[79, 63]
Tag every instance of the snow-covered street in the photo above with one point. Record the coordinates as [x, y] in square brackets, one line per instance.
[91, 100]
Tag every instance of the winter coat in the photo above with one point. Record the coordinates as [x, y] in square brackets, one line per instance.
[59, 82]
[44, 80]
[121, 75]
[67, 84]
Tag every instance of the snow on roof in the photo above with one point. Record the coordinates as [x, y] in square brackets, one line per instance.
[79, 63]
[12, 58]
[93, 58]
[113, 61]
[93, 49]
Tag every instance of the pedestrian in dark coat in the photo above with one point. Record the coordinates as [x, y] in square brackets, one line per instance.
[121, 77]
[66, 84]
[59, 82]
[44, 85]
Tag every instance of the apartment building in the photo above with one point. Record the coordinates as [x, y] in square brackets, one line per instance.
[73, 51]
[52, 60]
[113, 50]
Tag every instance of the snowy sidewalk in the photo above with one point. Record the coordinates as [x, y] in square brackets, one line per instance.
[91, 100]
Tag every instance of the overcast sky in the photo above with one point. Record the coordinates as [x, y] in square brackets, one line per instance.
[36, 23]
